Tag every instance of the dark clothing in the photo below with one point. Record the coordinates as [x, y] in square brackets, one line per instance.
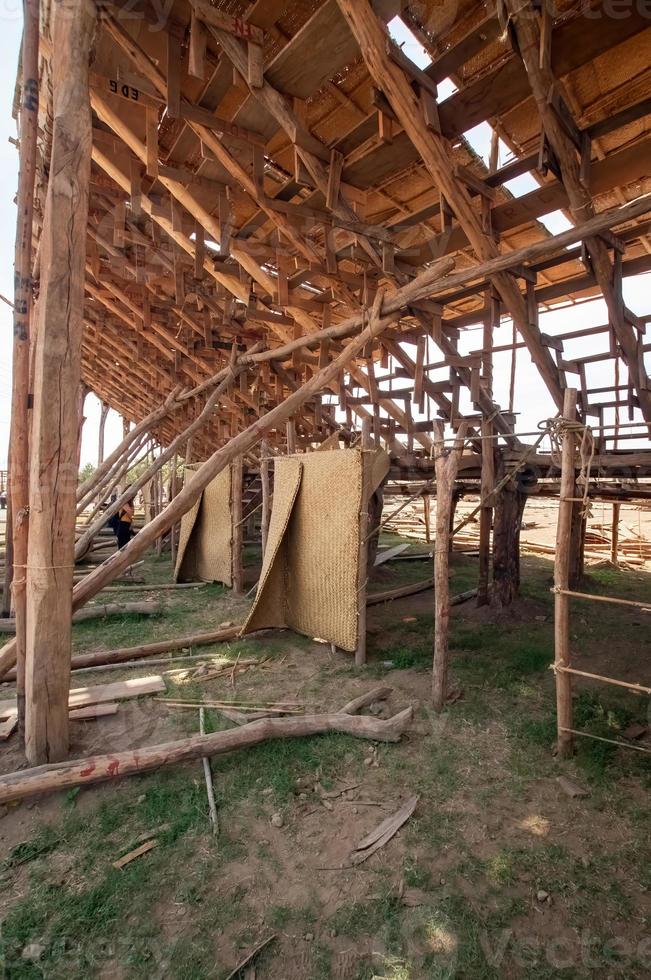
[124, 533]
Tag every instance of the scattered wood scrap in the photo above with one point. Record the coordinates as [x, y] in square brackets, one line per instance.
[132, 855]
[570, 788]
[383, 832]
[250, 956]
[390, 553]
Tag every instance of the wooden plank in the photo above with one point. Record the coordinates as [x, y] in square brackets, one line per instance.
[119, 690]
[93, 711]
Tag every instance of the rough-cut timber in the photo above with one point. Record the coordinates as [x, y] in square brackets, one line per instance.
[53, 471]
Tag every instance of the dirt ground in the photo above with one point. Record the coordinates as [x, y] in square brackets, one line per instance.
[498, 872]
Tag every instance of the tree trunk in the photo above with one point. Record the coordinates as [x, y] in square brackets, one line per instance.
[53, 470]
[509, 508]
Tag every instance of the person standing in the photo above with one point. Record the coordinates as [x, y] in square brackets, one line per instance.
[124, 529]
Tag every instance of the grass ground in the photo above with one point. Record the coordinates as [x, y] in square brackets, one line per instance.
[497, 874]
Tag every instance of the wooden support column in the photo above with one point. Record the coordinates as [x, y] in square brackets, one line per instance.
[237, 489]
[427, 517]
[614, 541]
[562, 653]
[173, 489]
[16, 534]
[362, 561]
[103, 412]
[509, 507]
[486, 511]
[447, 464]
[265, 482]
[53, 470]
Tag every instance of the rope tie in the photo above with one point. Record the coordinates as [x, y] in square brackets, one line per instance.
[559, 428]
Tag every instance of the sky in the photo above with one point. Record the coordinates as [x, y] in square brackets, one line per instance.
[531, 398]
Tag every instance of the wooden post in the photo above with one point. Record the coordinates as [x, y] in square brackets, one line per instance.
[562, 653]
[427, 516]
[18, 489]
[237, 481]
[57, 359]
[103, 412]
[362, 559]
[614, 542]
[173, 488]
[265, 481]
[486, 511]
[447, 464]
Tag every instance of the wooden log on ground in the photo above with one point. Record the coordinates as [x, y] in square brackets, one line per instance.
[103, 658]
[57, 376]
[144, 608]
[100, 768]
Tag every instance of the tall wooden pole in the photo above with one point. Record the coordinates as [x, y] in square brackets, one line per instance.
[53, 469]
[265, 481]
[486, 511]
[103, 412]
[562, 653]
[237, 483]
[446, 463]
[18, 509]
[614, 541]
[362, 566]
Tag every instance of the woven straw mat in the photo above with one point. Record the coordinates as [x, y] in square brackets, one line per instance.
[309, 575]
[205, 551]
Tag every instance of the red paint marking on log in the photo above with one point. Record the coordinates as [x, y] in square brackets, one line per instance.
[89, 770]
[113, 768]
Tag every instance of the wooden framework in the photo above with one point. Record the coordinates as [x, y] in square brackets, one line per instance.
[288, 235]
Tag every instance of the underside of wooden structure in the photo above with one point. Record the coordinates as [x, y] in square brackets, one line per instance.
[260, 228]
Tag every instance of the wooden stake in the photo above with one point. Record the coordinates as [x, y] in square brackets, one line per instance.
[562, 652]
[18, 490]
[447, 465]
